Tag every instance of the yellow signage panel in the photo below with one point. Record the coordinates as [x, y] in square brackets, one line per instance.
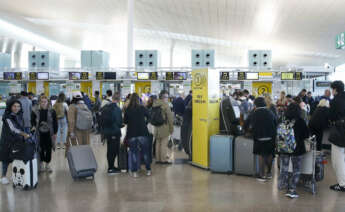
[261, 88]
[205, 87]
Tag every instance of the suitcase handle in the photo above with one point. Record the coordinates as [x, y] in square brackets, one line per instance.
[70, 140]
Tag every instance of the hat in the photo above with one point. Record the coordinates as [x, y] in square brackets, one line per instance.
[76, 94]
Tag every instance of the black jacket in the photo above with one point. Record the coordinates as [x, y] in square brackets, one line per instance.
[319, 119]
[301, 133]
[116, 119]
[336, 114]
[178, 106]
[263, 123]
[12, 126]
[136, 120]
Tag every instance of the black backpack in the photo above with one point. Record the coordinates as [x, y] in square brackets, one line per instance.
[106, 120]
[157, 118]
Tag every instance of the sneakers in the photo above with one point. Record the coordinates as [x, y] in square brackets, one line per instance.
[261, 179]
[113, 172]
[48, 168]
[4, 181]
[135, 174]
[148, 173]
[269, 176]
[337, 187]
[292, 194]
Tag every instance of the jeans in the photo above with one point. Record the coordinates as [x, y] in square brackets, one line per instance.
[62, 131]
[113, 150]
[4, 168]
[136, 145]
[284, 181]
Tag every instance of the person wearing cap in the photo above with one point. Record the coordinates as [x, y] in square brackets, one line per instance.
[76, 136]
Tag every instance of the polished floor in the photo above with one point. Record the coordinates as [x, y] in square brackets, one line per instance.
[179, 187]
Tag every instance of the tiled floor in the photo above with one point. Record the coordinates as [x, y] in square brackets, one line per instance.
[171, 188]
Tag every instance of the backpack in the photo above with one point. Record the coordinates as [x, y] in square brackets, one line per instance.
[157, 118]
[106, 120]
[286, 141]
[60, 110]
[84, 118]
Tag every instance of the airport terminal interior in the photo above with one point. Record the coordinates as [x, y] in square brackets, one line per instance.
[151, 105]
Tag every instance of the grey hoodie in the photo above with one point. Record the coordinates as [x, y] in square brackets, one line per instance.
[27, 109]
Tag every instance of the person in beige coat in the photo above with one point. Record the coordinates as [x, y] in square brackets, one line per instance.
[76, 136]
[163, 133]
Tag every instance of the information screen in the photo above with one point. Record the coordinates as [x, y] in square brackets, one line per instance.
[110, 75]
[42, 76]
[153, 75]
[99, 75]
[224, 76]
[241, 76]
[252, 76]
[291, 76]
[13, 76]
[169, 75]
[78, 75]
[33, 76]
[323, 84]
[143, 76]
[180, 76]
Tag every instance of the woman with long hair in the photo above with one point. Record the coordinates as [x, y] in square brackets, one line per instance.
[61, 110]
[136, 117]
[45, 123]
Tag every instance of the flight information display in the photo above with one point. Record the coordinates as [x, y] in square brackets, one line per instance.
[169, 76]
[291, 76]
[99, 75]
[224, 76]
[13, 76]
[143, 76]
[78, 75]
[180, 75]
[153, 76]
[247, 76]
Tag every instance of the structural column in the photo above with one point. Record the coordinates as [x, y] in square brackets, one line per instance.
[130, 23]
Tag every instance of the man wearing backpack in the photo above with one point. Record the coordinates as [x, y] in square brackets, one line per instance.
[162, 119]
[79, 121]
[111, 123]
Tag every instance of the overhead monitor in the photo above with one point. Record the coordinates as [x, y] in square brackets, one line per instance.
[241, 76]
[291, 76]
[143, 76]
[323, 84]
[33, 76]
[78, 75]
[224, 76]
[153, 76]
[42, 76]
[110, 75]
[180, 75]
[99, 75]
[252, 76]
[12, 76]
[169, 76]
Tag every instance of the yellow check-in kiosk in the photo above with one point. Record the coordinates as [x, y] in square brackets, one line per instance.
[205, 88]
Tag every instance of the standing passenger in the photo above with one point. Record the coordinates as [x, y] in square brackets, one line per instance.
[27, 109]
[61, 110]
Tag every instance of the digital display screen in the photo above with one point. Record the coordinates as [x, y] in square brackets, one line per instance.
[180, 75]
[110, 75]
[252, 76]
[291, 76]
[224, 76]
[32, 76]
[169, 75]
[323, 84]
[99, 75]
[153, 75]
[241, 76]
[13, 76]
[78, 75]
[43, 76]
[143, 76]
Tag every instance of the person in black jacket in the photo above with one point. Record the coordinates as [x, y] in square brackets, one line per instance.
[319, 122]
[337, 134]
[264, 128]
[44, 121]
[12, 131]
[136, 117]
[293, 114]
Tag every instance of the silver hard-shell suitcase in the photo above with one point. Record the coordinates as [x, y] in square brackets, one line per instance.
[246, 163]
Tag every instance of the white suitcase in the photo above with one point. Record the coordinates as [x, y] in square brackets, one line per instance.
[24, 175]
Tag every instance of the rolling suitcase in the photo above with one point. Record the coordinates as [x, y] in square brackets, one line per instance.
[246, 163]
[82, 162]
[221, 153]
[24, 174]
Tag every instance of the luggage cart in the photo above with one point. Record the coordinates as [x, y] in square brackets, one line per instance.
[307, 178]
